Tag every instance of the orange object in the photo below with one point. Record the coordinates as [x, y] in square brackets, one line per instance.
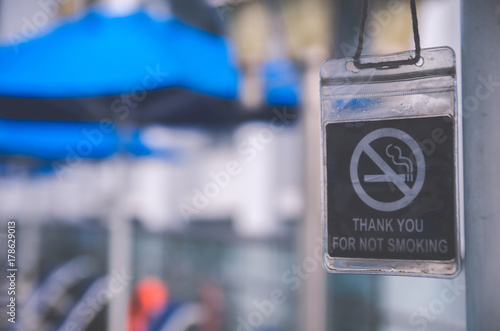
[149, 297]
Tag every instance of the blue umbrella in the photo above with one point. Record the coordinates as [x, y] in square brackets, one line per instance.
[98, 55]
[127, 70]
[132, 68]
[66, 140]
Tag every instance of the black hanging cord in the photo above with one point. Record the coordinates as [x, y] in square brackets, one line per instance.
[387, 64]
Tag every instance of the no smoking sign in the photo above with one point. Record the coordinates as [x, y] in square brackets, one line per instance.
[399, 162]
[391, 190]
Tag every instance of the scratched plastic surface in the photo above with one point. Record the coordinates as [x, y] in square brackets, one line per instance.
[347, 93]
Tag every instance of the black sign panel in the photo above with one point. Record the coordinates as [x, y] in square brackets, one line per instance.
[391, 189]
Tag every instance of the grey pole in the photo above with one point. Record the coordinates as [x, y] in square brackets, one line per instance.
[481, 109]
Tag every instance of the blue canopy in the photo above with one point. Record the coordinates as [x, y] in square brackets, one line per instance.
[98, 55]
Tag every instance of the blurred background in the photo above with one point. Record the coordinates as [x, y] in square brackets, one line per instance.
[161, 161]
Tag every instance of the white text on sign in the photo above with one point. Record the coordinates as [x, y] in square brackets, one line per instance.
[393, 245]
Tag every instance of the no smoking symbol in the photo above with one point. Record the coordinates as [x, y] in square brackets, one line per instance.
[408, 177]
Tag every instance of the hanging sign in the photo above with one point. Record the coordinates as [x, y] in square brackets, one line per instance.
[390, 178]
